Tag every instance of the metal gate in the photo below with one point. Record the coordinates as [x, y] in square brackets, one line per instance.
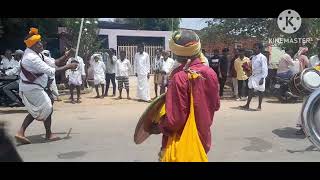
[132, 50]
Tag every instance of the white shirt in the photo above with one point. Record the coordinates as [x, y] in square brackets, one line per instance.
[123, 68]
[81, 64]
[167, 65]
[1, 66]
[158, 63]
[99, 68]
[83, 72]
[259, 66]
[75, 73]
[111, 67]
[50, 61]
[314, 61]
[142, 63]
[6, 63]
[15, 69]
[32, 62]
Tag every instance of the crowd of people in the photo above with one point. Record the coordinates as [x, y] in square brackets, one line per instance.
[103, 68]
[191, 77]
[232, 66]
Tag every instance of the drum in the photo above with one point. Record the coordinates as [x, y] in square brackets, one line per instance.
[142, 131]
[305, 82]
[310, 117]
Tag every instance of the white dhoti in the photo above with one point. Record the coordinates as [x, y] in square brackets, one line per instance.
[54, 88]
[99, 79]
[253, 83]
[37, 103]
[143, 91]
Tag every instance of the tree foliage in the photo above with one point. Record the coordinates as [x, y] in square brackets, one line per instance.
[20, 26]
[158, 24]
[89, 42]
[229, 30]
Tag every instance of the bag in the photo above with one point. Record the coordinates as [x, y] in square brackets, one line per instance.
[187, 147]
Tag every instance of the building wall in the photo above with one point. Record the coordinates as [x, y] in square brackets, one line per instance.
[113, 33]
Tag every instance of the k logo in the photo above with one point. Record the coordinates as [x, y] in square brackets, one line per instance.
[289, 21]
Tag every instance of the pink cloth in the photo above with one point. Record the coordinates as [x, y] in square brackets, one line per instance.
[206, 102]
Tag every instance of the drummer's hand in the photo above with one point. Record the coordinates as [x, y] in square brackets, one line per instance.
[261, 81]
[71, 52]
[72, 66]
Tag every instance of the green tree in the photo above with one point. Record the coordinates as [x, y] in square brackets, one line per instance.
[232, 29]
[237, 28]
[158, 24]
[20, 26]
[89, 42]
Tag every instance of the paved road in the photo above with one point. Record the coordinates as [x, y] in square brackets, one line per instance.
[102, 130]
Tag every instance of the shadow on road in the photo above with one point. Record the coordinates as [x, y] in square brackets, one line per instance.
[257, 144]
[40, 138]
[278, 102]
[14, 111]
[239, 108]
[71, 155]
[273, 101]
[288, 132]
[310, 148]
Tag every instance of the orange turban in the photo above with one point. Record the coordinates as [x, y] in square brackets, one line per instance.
[34, 37]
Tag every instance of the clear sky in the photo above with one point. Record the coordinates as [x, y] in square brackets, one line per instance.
[189, 23]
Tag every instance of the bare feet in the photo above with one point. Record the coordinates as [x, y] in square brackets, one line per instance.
[51, 137]
[244, 107]
[97, 96]
[120, 97]
[78, 101]
[22, 139]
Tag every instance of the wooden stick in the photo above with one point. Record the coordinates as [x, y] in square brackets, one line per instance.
[79, 37]
[69, 132]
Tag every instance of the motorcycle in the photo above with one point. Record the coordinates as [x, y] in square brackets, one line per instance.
[280, 89]
[4, 99]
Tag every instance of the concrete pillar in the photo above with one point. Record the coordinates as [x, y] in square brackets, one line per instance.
[166, 43]
[112, 39]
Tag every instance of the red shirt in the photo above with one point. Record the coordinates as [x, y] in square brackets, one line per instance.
[206, 102]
